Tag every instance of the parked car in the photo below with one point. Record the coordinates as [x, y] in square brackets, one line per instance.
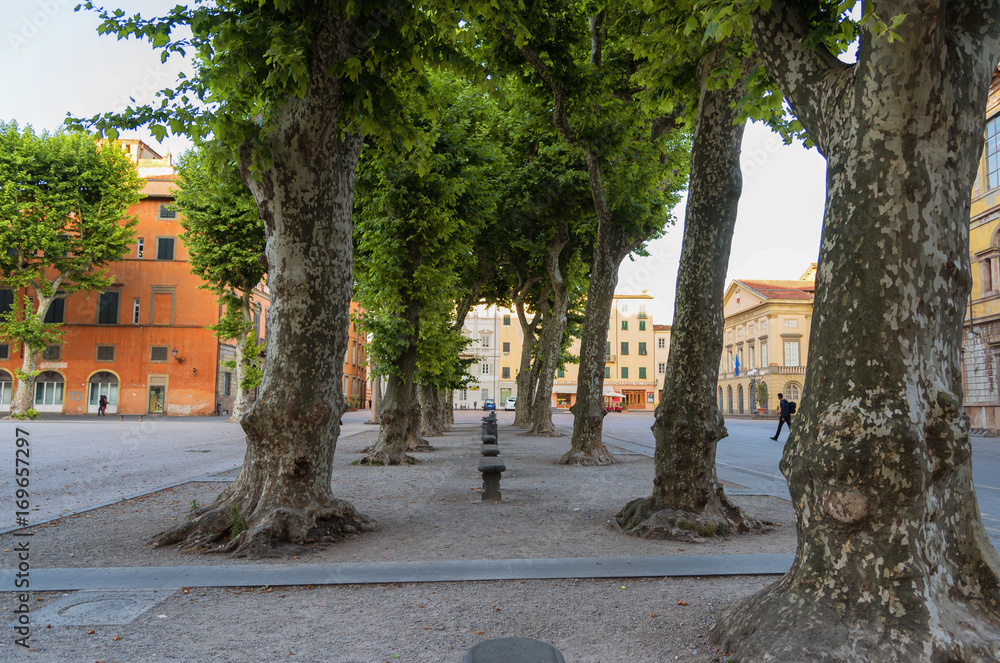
[489, 404]
[510, 403]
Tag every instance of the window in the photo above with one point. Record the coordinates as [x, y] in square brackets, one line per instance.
[105, 353]
[505, 372]
[730, 364]
[624, 325]
[607, 348]
[4, 351]
[792, 392]
[135, 311]
[986, 274]
[642, 347]
[52, 353]
[792, 353]
[750, 353]
[164, 248]
[624, 347]
[107, 308]
[642, 325]
[607, 372]
[6, 300]
[484, 369]
[227, 384]
[763, 354]
[463, 395]
[642, 372]
[506, 346]
[661, 368]
[661, 343]
[166, 212]
[624, 372]
[560, 373]
[486, 341]
[993, 152]
[791, 323]
[506, 320]
[57, 311]
[158, 353]
[140, 245]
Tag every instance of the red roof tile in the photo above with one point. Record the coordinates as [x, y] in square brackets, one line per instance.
[801, 290]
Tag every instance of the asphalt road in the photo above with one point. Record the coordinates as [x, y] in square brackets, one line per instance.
[79, 464]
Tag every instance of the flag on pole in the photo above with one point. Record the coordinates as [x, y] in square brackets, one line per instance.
[736, 365]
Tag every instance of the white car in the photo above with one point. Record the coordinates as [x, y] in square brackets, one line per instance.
[510, 403]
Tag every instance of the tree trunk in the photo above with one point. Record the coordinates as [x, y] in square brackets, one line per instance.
[529, 341]
[414, 439]
[21, 401]
[687, 497]
[551, 341]
[587, 445]
[893, 562]
[394, 420]
[241, 399]
[282, 494]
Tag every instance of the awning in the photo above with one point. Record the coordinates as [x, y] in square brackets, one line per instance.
[564, 389]
[610, 391]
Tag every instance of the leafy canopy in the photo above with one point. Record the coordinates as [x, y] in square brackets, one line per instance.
[64, 203]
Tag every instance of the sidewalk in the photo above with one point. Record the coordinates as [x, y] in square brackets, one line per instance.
[443, 571]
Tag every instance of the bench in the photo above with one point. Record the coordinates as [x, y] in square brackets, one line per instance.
[491, 468]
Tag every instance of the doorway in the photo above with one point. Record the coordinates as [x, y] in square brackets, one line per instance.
[157, 398]
[103, 384]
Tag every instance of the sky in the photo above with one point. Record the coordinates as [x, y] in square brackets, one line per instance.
[53, 62]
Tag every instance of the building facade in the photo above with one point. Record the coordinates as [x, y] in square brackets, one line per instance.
[766, 340]
[142, 342]
[981, 333]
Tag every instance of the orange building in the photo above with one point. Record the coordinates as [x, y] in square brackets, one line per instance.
[142, 342]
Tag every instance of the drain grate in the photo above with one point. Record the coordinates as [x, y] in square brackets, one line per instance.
[89, 608]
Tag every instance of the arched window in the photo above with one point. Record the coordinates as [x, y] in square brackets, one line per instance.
[793, 392]
[730, 389]
[6, 385]
[102, 383]
[739, 397]
[49, 392]
[720, 399]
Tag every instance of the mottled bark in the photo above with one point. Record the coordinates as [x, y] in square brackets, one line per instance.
[282, 494]
[414, 439]
[241, 402]
[893, 562]
[550, 344]
[529, 341]
[687, 497]
[394, 420]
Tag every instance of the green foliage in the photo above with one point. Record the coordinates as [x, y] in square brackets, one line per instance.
[30, 413]
[254, 58]
[64, 203]
[195, 507]
[237, 523]
[762, 394]
[416, 223]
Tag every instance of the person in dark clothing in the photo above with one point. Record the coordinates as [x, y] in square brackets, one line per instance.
[102, 405]
[785, 417]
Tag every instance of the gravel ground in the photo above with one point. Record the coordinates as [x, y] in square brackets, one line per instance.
[428, 511]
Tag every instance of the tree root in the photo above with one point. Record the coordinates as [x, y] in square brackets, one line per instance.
[382, 458]
[276, 531]
[645, 518]
[546, 429]
[588, 458]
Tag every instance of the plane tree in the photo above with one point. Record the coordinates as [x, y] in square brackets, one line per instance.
[64, 218]
[892, 562]
[225, 239]
[415, 217]
[574, 55]
[293, 87]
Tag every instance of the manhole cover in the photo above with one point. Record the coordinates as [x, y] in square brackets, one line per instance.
[88, 608]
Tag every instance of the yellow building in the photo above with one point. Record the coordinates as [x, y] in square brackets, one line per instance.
[630, 368]
[661, 352]
[981, 335]
[766, 339]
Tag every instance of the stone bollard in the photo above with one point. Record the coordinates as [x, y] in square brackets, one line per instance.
[489, 450]
[513, 650]
[491, 468]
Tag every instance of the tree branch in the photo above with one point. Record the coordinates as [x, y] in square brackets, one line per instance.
[803, 74]
[558, 93]
[596, 39]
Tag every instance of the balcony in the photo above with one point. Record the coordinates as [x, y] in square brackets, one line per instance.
[641, 315]
[609, 359]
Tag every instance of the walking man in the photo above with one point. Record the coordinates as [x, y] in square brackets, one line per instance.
[785, 417]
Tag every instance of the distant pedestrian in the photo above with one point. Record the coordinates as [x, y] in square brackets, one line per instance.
[102, 405]
[785, 417]
[369, 403]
